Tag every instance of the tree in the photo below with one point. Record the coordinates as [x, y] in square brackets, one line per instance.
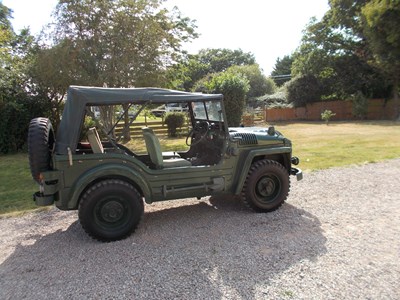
[234, 87]
[381, 23]
[259, 84]
[122, 43]
[304, 89]
[336, 55]
[220, 60]
[18, 103]
[192, 68]
[53, 70]
[282, 70]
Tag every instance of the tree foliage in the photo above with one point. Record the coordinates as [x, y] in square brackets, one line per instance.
[234, 87]
[338, 51]
[381, 23]
[303, 89]
[122, 43]
[18, 102]
[192, 68]
[118, 43]
[282, 68]
[259, 84]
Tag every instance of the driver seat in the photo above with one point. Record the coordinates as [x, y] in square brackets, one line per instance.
[154, 150]
[94, 140]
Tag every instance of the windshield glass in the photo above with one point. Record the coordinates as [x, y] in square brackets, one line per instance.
[208, 110]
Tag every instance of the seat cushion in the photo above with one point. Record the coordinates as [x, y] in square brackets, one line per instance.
[170, 154]
[175, 162]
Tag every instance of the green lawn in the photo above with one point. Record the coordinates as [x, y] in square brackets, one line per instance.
[342, 143]
[17, 185]
[318, 146]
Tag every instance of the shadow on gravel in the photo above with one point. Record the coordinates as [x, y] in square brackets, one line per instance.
[211, 249]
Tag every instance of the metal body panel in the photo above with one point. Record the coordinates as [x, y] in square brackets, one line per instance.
[236, 149]
[156, 185]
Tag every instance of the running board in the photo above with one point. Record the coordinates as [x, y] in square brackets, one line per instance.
[217, 185]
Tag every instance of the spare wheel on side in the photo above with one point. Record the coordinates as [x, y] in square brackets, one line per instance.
[40, 146]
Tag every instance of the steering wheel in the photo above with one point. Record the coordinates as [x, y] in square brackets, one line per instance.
[200, 128]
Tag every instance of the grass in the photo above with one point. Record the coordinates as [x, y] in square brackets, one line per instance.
[167, 144]
[317, 145]
[17, 185]
[342, 143]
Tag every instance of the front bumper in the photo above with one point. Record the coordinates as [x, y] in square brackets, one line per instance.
[43, 200]
[297, 172]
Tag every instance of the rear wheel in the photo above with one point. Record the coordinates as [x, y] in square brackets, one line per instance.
[110, 210]
[266, 186]
[40, 146]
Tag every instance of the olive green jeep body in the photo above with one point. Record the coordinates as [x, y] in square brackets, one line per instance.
[107, 182]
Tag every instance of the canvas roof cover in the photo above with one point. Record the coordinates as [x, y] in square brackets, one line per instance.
[79, 97]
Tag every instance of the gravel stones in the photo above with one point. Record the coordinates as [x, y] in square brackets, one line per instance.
[336, 237]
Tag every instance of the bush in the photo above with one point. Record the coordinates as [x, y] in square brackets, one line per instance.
[234, 87]
[327, 115]
[360, 105]
[277, 100]
[174, 121]
[15, 116]
[88, 123]
[304, 89]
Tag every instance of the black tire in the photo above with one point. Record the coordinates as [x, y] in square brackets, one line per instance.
[40, 146]
[110, 210]
[266, 186]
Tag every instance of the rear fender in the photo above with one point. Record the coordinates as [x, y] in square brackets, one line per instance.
[107, 171]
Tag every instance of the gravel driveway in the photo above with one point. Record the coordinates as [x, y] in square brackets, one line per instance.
[337, 237]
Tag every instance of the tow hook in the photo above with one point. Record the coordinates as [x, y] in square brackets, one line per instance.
[297, 172]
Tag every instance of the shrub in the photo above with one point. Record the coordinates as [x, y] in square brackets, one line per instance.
[234, 88]
[327, 115]
[304, 89]
[360, 105]
[277, 100]
[15, 116]
[174, 121]
[88, 123]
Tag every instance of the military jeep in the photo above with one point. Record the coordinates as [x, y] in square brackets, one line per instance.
[91, 170]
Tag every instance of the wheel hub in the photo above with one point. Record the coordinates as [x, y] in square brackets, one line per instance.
[112, 211]
[266, 187]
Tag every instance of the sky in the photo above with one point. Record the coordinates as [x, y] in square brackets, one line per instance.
[267, 28]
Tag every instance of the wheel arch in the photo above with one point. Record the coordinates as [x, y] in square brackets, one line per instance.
[100, 173]
[280, 155]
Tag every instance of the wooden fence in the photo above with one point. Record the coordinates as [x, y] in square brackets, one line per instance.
[161, 129]
[158, 127]
[378, 109]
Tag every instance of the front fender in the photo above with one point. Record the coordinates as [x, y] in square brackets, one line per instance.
[242, 172]
[106, 171]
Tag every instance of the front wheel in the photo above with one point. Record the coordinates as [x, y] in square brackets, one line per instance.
[110, 210]
[266, 186]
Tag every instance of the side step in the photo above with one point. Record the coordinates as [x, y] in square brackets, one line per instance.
[218, 185]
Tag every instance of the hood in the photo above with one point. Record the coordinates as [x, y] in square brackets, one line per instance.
[257, 135]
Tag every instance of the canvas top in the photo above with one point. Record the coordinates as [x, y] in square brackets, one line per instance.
[78, 97]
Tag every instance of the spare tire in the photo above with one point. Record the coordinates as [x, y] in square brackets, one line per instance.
[40, 146]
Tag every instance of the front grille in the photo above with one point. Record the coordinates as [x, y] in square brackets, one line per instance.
[247, 138]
